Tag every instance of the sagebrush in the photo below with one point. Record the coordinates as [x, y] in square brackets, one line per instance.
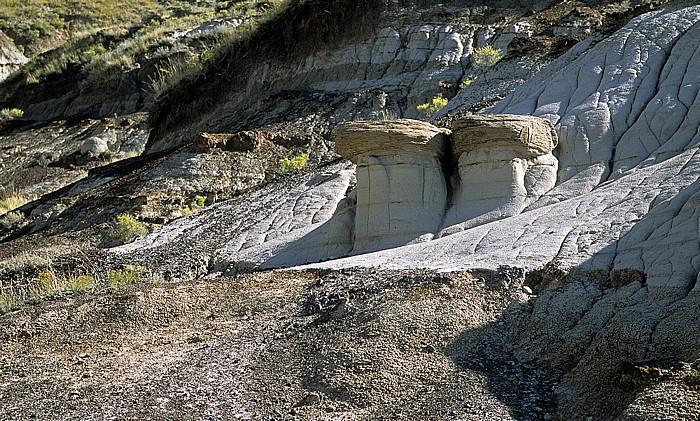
[295, 163]
[486, 56]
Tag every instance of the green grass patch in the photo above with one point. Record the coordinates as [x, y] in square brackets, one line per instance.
[126, 276]
[30, 278]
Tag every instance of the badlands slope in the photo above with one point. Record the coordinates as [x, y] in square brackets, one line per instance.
[626, 114]
[611, 252]
[581, 305]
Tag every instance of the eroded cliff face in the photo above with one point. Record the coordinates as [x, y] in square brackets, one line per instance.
[611, 251]
[10, 57]
[377, 59]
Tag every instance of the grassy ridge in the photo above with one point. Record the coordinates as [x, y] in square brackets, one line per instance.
[98, 39]
[40, 25]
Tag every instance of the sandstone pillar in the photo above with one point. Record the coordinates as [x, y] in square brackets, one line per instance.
[505, 164]
[401, 187]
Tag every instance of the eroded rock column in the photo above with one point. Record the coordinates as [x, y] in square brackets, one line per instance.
[401, 187]
[505, 164]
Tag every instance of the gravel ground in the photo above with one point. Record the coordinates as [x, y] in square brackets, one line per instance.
[276, 345]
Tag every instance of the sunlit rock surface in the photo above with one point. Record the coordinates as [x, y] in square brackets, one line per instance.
[401, 188]
[505, 164]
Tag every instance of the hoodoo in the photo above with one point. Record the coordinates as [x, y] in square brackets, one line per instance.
[401, 187]
[505, 164]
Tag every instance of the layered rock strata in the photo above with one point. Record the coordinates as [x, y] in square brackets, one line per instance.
[401, 186]
[505, 164]
[10, 57]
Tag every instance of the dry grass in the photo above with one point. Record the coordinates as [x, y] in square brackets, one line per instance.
[103, 39]
[12, 200]
[30, 278]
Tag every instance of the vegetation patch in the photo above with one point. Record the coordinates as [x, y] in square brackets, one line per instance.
[87, 41]
[486, 56]
[197, 204]
[11, 113]
[297, 162]
[467, 81]
[30, 278]
[126, 228]
[429, 109]
[127, 275]
[12, 200]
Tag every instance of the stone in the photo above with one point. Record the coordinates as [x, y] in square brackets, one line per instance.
[94, 146]
[390, 138]
[401, 188]
[10, 57]
[526, 135]
[505, 164]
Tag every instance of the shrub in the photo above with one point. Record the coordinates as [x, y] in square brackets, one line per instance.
[468, 81]
[48, 283]
[295, 163]
[430, 108]
[11, 112]
[127, 275]
[11, 219]
[486, 56]
[195, 206]
[126, 229]
[30, 278]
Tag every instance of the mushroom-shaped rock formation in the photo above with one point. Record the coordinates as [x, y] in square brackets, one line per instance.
[401, 187]
[505, 164]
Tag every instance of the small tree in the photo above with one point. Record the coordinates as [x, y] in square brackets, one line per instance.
[429, 109]
[486, 56]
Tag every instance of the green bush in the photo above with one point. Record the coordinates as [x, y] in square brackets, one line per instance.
[126, 229]
[127, 275]
[486, 56]
[195, 206]
[430, 108]
[11, 112]
[295, 163]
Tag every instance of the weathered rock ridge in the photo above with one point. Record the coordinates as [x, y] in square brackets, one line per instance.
[412, 53]
[10, 57]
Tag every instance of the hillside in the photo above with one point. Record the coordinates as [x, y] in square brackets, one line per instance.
[283, 227]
